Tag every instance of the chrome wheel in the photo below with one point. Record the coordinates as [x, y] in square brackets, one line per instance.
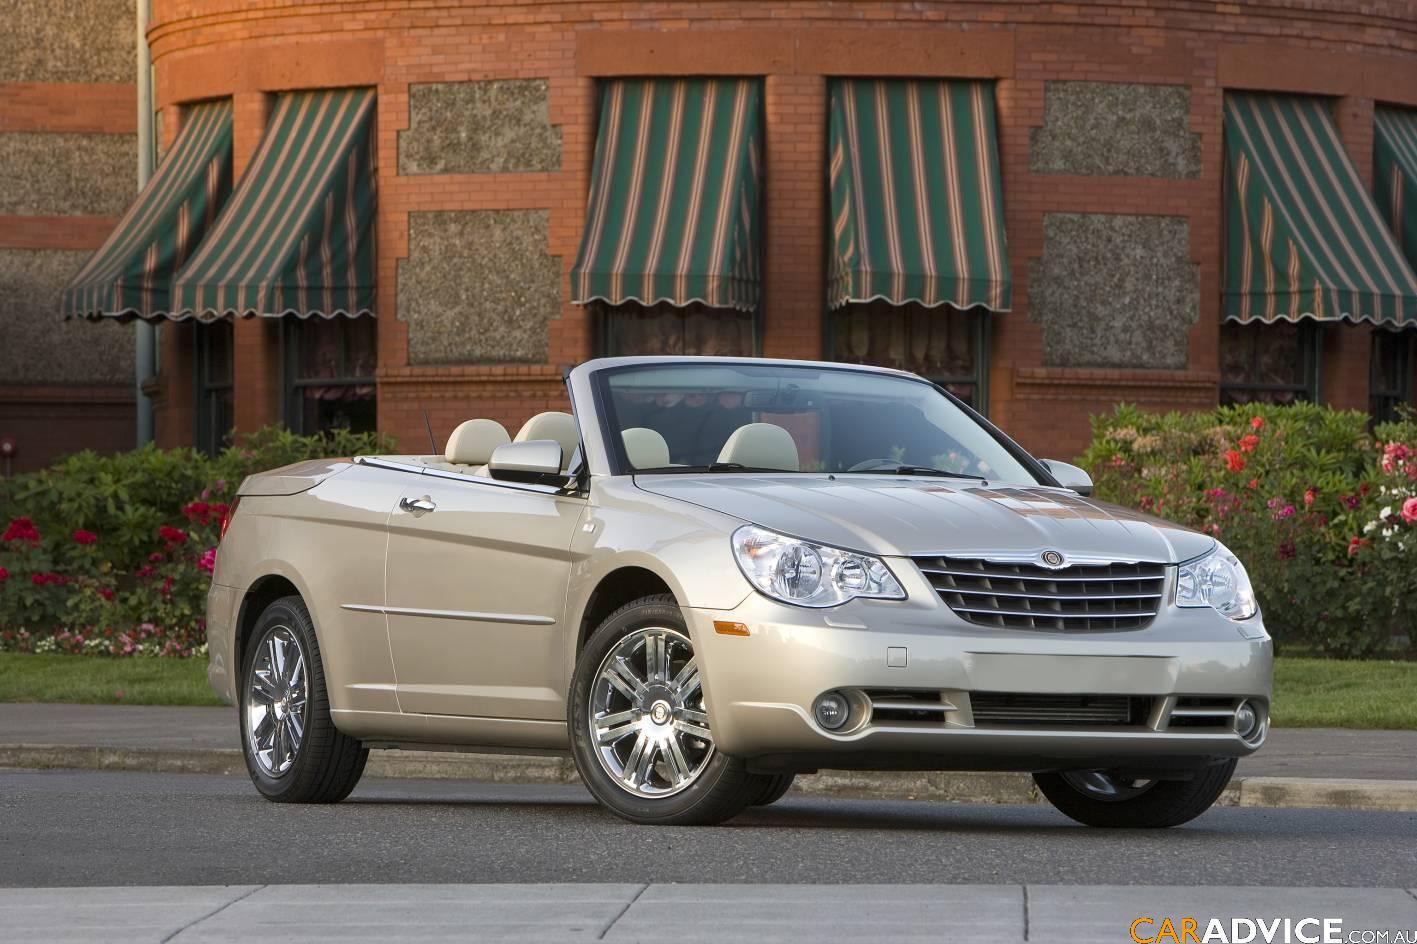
[276, 701]
[647, 719]
[1100, 785]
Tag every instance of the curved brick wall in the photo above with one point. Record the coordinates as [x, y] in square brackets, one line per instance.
[1109, 119]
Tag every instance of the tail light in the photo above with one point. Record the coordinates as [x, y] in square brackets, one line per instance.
[226, 518]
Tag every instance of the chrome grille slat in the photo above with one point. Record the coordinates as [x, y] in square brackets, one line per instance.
[1004, 708]
[1076, 598]
[1044, 575]
[1054, 596]
[1200, 711]
[1060, 614]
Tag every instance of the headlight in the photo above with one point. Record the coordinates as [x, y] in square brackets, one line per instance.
[807, 574]
[1217, 580]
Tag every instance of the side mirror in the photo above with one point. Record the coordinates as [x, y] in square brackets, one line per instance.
[1069, 476]
[536, 462]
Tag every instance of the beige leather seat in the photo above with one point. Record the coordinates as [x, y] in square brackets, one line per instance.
[761, 446]
[560, 427]
[645, 448]
[471, 445]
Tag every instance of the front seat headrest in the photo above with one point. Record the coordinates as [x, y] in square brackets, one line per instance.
[645, 448]
[560, 427]
[473, 441]
[761, 446]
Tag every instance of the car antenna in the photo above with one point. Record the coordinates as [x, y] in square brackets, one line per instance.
[432, 443]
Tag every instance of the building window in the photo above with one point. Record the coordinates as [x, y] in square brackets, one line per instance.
[631, 328]
[212, 373]
[329, 374]
[1390, 373]
[1269, 363]
[943, 344]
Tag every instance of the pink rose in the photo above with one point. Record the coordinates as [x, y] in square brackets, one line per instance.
[1409, 510]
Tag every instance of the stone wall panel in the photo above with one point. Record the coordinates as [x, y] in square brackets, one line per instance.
[68, 41]
[67, 174]
[1115, 291]
[478, 287]
[36, 344]
[489, 127]
[1116, 129]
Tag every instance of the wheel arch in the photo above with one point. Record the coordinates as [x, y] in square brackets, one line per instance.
[624, 584]
[262, 592]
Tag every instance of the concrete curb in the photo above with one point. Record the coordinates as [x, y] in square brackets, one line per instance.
[959, 787]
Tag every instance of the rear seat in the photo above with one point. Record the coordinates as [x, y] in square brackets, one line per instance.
[470, 447]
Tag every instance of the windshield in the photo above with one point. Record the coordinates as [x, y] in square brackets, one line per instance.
[729, 417]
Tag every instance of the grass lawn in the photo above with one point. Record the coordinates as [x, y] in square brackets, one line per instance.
[1308, 692]
[1321, 693]
[96, 680]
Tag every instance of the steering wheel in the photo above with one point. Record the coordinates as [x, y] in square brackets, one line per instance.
[875, 463]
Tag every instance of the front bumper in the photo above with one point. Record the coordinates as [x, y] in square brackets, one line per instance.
[760, 688]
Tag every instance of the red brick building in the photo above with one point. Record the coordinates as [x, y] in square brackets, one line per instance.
[68, 168]
[1110, 140]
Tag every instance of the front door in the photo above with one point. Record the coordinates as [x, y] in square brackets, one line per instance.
[476, 597]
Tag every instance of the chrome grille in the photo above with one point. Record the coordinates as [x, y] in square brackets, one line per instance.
[1008, 708]
[1082, 597]
[1203, 712]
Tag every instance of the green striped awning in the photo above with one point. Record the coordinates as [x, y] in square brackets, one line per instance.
[131, 273]
[917, 208]
[674, 210]
[297, 237]
[1303, 238]
[1395, 173]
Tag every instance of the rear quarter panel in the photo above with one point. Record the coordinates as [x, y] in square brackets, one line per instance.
[329, 542]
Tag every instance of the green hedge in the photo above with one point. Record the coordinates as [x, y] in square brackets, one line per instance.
[1322, 512]
[113, 554]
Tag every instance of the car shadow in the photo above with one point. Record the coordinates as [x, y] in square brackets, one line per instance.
[817, 814]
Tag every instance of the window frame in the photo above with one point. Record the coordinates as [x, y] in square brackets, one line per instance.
[291, 383]
[1310, 340]
[619, 461]
[1403, 393]
[602, 311]
[206, 437]
[979, 341]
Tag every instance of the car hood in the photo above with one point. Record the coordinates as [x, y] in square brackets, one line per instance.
[924, 516]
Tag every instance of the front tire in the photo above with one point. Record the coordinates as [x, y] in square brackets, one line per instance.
[293, 750]
[640, 732]
[771, 788]
[1099, 798]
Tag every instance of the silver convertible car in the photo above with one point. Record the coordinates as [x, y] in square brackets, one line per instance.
[715, 574]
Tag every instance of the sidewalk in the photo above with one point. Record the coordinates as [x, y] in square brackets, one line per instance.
[1297, 767]
[1069, 914]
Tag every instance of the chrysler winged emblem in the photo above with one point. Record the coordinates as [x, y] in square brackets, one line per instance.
[1053, 559]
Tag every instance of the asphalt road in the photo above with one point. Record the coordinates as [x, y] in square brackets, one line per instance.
[69, 828]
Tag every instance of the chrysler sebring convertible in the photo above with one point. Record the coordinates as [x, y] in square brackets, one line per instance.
[714, 574]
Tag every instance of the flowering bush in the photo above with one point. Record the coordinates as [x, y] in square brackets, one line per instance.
[1309, 499]
[113, 554]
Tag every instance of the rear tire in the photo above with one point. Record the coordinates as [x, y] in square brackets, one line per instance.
[296, 754]
[640, 733]
[1134, 804]
[771, 788]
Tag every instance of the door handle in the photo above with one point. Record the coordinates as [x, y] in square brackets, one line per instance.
[418, 506]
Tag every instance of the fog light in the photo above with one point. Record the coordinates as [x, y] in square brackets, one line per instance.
[831, 710]
[1247, 720]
